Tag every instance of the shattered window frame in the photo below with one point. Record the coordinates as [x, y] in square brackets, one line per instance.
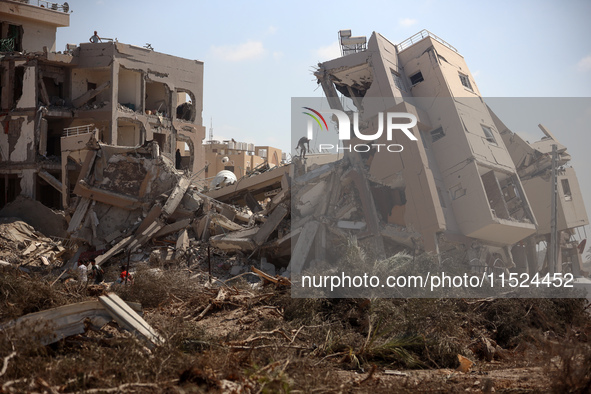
[398, 81]
[437, 134]
[488, 134]
[416, 78]
[465, 81]
[566, 189]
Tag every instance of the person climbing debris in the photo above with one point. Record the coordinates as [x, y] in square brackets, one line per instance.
[302, 146]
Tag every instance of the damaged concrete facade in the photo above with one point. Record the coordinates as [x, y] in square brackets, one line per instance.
[459, 181]
[534, 166]
[53, 103]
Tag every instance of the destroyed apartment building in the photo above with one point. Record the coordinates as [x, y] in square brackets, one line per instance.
[467, 180]
[54, 103]
[95, 131]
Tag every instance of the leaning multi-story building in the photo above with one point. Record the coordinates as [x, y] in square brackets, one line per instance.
[53, 102]
[458, 180]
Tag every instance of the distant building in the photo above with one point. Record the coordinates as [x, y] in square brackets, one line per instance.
[52, 103]
[238, 157]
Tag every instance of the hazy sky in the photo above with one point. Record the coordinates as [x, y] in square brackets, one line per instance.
[259, 54]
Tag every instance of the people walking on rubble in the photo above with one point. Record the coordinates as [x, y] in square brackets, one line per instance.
[96, 272]
[95, 38]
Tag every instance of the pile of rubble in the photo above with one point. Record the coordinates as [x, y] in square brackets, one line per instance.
[132, 205]
[128, 198]
[24, 247]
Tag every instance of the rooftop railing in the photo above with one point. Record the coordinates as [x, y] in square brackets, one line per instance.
[47, 4]
[418, 37]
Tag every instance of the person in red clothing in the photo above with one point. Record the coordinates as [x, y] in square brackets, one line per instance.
[124, 274]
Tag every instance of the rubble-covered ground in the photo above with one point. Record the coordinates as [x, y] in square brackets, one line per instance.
[242, 334]
[210, 307]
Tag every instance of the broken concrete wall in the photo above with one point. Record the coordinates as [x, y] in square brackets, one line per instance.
[28, 98]
[85, 78]
[135, 72]
[571, 212]
[18, 139]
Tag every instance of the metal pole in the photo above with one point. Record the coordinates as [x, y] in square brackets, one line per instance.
[553, 257]
[209, 261]
[127, 268]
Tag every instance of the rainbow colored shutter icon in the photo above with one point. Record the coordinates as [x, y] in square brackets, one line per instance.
[315, 118]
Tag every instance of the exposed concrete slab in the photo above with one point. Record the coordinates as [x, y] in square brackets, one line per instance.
[176, 196]
[57, 185]
[54, 324]
[127, 318]
[302, 247]
[182, 243]
[173, 227]
[107, 197]
[271, 224]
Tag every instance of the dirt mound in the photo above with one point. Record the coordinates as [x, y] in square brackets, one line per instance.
[50, 223]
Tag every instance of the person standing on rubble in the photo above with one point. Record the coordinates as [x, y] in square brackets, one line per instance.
[82, 272]
[95, 38]
[96, 272]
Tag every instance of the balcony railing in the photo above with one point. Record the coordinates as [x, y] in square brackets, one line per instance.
[71, 131]
[418, 37]
[47, 4]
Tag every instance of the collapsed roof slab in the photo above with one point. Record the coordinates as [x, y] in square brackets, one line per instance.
[256, 185]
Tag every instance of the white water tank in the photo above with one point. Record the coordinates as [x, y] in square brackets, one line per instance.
[223, 178]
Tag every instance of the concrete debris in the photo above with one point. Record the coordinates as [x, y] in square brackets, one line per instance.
[52, 325]
[129, 319]
[23, 246]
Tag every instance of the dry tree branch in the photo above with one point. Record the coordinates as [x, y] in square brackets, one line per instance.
[5, 363]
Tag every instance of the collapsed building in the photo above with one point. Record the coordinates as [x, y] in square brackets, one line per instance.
[53, 103]
[467, 179]
[96, 130]
[534, 166]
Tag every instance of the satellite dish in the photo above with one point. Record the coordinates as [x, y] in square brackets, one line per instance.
[225, 159]
[66, 7]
